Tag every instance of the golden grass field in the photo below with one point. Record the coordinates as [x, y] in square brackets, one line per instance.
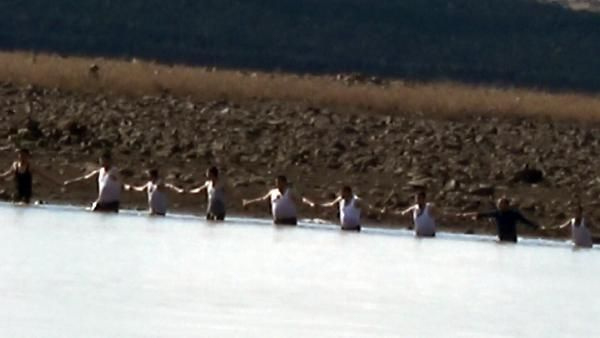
[439, 99]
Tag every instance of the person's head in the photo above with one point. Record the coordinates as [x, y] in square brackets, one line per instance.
[23, 155]
[503, 204]
[106, 160]
[346, 192]
[421, 197]
[281, 182]
[212, 173]
[153, 174]
[578, 211]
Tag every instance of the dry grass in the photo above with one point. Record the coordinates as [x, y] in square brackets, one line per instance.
[434, 99]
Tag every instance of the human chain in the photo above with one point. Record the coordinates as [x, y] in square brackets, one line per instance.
[283, 201]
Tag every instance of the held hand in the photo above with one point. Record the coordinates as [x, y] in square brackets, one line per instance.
[308, 202]
[127, 187]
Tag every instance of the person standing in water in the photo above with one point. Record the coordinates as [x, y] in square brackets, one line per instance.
[423, 214]
[283, 202]
[350, 207]
[109, 185]
[506, 219]
[22, 171]
[215, 190]
[579, 226]
[156, 190]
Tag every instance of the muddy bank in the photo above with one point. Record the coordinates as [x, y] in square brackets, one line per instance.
[464, 163]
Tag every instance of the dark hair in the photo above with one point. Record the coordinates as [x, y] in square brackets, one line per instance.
[106, 155]
[214, 171]
[153, 173]
[282, 178]
[347, 189]
[422, 193]
[23, 151]
[504, 199]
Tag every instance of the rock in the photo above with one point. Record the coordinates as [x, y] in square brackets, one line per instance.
[451, 185]
[420, 184]
[528, 175]
[320, 122]
[483, 190]
[127, 172]
[188, 179]
[94, 71]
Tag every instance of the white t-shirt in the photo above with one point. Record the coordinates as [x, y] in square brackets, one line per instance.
[157, 199]
[214, 192]
[282, 205]
[424, 222]
[349, 213]
[581, 234]
[109, 190]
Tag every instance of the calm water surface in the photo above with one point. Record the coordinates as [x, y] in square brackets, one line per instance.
[69, 273]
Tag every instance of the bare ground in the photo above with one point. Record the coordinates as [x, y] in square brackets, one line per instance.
[337, 136]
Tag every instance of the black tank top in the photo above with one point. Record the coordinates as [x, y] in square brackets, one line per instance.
[23, 182]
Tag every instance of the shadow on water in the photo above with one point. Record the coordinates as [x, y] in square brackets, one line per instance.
[307, 224]
[514, 42]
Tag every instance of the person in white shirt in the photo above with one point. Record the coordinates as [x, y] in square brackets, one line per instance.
[283, 202]
[109, 185]
[423, 214]
[580, 229]
[350, 207]
[215, 190]
[157, 194]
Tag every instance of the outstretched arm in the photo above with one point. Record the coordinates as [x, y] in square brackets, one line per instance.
[174, 188]
[82, 178]
[8, 172]
[405, 211]
[266, 197]
[199, 189]
[562, 226]
[309, 202]
[139, 188]
[331, 204]
[527, 222]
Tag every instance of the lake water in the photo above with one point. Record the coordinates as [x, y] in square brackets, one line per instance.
[70, 273]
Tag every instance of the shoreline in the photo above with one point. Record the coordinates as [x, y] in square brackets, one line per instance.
[306, 223]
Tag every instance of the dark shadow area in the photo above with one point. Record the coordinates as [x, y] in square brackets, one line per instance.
[513, 42]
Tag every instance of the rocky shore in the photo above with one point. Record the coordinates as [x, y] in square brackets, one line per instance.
[464, 163]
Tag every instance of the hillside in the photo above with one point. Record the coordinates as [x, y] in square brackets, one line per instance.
[502, 41]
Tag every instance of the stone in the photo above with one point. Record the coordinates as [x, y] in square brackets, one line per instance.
[483, 190]
[451, 185]
[420, 184]
[528, 175]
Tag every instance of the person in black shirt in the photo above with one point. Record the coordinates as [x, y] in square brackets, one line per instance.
[506, 219]
[22, 170]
